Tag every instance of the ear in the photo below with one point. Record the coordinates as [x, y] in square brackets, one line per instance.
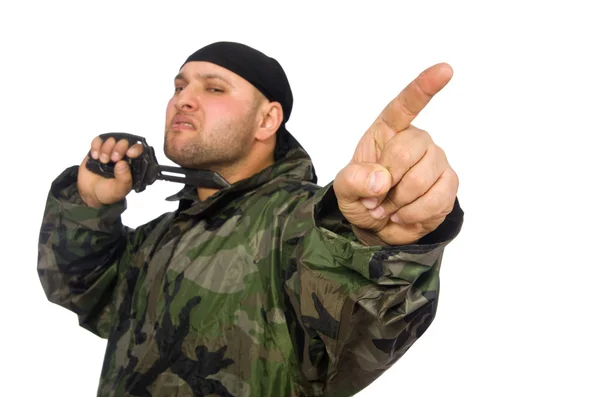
[271, 117]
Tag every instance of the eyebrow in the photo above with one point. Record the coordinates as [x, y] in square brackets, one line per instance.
[204, 76]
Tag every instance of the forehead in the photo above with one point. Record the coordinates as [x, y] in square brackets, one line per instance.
[202, 70]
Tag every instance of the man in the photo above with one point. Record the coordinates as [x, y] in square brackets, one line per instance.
[273, 286]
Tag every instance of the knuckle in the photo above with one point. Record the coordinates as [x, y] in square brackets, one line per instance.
[439, 151]
[352, 174]
[123, 180]
[123, 144]
[108, 145]
[451, 180]
[97, 141]
[406, 215]
[454, 177]
[415, 182]
[434, 204]
[341, 179]
[446, 211]
[391, 203]
[418, 133]
[121, 147]
[406, 108]
[403, 154]
[425, 134]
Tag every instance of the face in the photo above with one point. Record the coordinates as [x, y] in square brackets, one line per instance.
[211, 118]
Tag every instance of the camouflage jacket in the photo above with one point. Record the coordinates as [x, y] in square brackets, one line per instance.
[261, 290]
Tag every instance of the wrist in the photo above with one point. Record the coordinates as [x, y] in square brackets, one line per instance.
[368, 238]
[89, 200]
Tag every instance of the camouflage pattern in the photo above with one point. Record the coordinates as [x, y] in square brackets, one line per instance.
[261, 290]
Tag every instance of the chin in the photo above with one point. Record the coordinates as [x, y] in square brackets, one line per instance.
[172, 152]
[176, 141]
[179, 157]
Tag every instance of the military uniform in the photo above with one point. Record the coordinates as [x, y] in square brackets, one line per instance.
[261, 290]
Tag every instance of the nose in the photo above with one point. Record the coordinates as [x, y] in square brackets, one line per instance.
[186, 100]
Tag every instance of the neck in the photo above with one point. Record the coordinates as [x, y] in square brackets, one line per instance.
[237, 172]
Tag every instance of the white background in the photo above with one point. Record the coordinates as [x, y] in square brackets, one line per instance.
[519, 311]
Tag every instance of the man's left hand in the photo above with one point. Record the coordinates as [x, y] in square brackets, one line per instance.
[399, 185]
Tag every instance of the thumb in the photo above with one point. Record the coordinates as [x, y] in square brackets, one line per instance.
[368, 182]
[123, 179]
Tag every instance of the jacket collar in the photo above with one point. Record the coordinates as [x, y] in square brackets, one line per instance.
[292, 162]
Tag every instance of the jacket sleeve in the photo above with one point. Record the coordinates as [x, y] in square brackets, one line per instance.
[358, 308]
[84, 254]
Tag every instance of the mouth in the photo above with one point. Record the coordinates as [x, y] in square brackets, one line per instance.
[182, 126]
[182, 123]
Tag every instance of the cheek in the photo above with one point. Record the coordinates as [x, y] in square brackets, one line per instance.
[219, 111]
[171, 108]
[216, 107]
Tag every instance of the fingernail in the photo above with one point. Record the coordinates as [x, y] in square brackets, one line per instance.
[369, 203]
[376, 181]
[115, 156]
[104, 158]
[378, 212]
[95, 155]
[394, 218]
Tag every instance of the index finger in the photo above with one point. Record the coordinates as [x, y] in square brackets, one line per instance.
[403, 109]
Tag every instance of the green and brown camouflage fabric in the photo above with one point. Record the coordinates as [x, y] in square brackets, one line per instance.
[261, 290]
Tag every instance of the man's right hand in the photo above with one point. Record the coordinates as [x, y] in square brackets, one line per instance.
[96, 190]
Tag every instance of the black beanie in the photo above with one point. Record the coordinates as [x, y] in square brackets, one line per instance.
[263, 72]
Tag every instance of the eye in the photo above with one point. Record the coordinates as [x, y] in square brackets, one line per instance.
[215, 90]
[178, 89]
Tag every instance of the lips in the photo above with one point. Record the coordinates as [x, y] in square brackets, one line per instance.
[180, 123]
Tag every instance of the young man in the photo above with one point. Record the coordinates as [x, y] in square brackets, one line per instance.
[273, 286]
